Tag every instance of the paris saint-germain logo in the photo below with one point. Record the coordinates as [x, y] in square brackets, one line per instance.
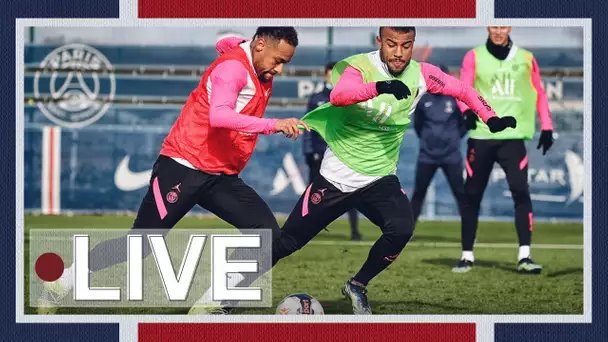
[74, 85]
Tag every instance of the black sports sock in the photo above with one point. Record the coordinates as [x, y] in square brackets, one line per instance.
[352, 218]
[524, 220]
[469, 221]
[381, 255]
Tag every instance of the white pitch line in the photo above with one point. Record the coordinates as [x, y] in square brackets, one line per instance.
[446, 244]
[413, 244]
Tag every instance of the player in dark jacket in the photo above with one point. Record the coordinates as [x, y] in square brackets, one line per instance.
[439, 125]
[314, 146]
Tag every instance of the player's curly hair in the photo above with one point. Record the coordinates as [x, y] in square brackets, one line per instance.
[402, 29]
[286, 33]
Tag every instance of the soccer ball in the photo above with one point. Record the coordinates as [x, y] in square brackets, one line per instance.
[299, 304]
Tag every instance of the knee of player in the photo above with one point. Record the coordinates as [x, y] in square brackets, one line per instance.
[470, 198]
[404, 236]
[473, 191]
[272, 226]
[400, 231]
[285, 245]
[419, 194]
[275, 230]
[521, 195]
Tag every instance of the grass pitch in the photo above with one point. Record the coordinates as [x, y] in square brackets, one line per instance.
[419, 282]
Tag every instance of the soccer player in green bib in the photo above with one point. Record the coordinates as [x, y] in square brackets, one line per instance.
[508, 77]
[364, 124]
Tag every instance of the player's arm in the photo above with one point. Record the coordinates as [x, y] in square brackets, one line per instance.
[418, 118]
[542, 107]
[227, 80]
[467, 75]
[462, 125]
[226, 44]
[351, 89]
[438, 82]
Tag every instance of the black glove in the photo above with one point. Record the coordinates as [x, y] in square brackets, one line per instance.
[395, 87]
[496, 124]
[470, 119]
[545, 140]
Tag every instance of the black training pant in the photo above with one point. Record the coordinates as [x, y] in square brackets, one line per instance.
[173, 191]
[511, 155]
[383, 202]
[314, 165]
[425, 173]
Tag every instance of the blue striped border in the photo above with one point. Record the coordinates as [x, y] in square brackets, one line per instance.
[596, 331]
[33, 9]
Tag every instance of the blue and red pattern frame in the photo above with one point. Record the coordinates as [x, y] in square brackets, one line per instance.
[33, 9]
[598, 330]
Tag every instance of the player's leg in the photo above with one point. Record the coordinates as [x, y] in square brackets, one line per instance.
[479, 163]
[321, 204]
[424, 175]
[513, 158]
[386, 205]
[171, 194]
[235, 202]
[314, 166]
[453, 173]
[354, 225]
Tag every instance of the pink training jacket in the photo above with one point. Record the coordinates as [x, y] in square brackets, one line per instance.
[227, 81]
[467, 75]
[350, 89]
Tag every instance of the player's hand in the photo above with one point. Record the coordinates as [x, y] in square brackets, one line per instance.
[545, 140]
[289, 127]
[470, 119]
[496, 124]
[395, 87]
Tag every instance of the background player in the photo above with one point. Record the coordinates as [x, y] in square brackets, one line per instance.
[364, 126]
[439, 125]
[314, 146]
[208, 146]
[509, 78]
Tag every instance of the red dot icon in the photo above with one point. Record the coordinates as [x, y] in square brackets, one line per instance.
[49, 267]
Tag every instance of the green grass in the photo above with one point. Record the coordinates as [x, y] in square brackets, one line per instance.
[419, 282]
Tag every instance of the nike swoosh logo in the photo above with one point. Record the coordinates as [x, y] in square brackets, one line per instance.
[576, 172]
[126, 180]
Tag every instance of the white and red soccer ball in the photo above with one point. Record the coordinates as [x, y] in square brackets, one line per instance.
[299, 304]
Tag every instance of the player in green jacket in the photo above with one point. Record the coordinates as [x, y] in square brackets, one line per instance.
[508, 77]
[364, 125]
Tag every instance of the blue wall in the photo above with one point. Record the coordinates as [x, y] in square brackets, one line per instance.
[306, 56]
[90, 155]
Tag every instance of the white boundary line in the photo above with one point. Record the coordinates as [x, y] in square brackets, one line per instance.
[547, 246]
[485, 326]
[448, 245]
[19, 173]
[279, 215]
